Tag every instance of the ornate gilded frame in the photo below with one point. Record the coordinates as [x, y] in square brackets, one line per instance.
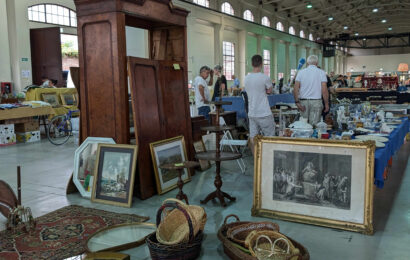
[366, 227]
[156, 166]
[131, 148]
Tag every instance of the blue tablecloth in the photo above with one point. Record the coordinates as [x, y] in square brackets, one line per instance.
[238, 103]
[383, 155]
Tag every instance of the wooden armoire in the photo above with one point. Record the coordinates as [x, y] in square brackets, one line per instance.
[158, 85]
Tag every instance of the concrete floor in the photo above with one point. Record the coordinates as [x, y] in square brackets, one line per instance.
[46, 169]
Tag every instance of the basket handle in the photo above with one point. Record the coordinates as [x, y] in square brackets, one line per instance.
[270, 241]
[182, 209]
[174, 200]
[281, 238]
[232, 215]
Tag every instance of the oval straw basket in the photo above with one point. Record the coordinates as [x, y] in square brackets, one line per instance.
[182, 251]
[271, 245]
[174, 227]
[239, 233]
[233, 251]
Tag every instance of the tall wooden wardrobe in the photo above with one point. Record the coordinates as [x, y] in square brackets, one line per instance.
[159, 90]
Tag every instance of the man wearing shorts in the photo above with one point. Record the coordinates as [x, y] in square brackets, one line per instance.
[257, 87]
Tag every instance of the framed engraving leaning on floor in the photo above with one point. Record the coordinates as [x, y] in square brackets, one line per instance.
[319, 182]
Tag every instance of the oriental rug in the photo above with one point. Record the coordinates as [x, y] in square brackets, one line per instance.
[60, 234]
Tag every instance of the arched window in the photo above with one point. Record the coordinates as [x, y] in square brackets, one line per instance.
[302, 34]
[247, 15]
[202, 2]
[292, 30]
[53, 14]
[265, 21]
[227, 8]
[310, 37]
[280, 27]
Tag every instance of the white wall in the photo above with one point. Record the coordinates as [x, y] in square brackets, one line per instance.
[5, 68]
[137, 42]
[373, 63]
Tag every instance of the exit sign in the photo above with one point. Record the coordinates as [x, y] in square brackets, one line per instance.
[24, 59]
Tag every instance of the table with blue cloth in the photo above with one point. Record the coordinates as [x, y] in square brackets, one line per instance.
[382, 155]
[238, 104]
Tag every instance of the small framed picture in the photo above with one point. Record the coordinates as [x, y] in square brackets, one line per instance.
[84, 164]
[51, 98]
[199, 147]
[168, 151]
[69, 99]
[114, 174]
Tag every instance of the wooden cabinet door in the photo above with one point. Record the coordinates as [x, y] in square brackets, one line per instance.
[143, 76]
[46, 54]
[174, 103]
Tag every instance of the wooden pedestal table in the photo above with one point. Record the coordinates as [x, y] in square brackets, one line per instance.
[218, 156]
[180, 167]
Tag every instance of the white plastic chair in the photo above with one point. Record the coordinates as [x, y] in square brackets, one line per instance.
[227, 140]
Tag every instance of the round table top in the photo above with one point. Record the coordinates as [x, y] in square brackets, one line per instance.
[223, 156]
[217, 128]
[179, 166]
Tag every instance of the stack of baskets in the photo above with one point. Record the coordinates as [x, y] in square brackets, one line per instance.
[179, 232]
[246, 240]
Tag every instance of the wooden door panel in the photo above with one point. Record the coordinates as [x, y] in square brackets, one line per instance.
[147, 122]
[46, 54]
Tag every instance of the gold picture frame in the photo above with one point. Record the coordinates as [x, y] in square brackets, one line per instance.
[297, 162]
[172, 150]
[51, 98]
[69, 99]
[199, 146]
[115, 166]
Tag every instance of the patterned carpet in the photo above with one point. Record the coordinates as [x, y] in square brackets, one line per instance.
[60, 234]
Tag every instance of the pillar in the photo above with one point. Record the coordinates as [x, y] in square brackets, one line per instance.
[218, 37]
[242, 57]
[5, 71]
[259, 44]
[287, 62]
[298, 54]
[308, 52]
[275, 59]
[345, 64]
[335, 63]
[19, 43]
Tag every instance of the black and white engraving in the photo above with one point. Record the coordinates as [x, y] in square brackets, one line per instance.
[312, 178]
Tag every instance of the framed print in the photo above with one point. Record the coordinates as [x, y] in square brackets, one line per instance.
[320, 182]
[114, 174]
[51, 98]
[199, 146]
[69, 99]
[168, 151]
[84, 163]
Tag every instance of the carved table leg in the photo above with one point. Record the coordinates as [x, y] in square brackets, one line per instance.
[181, 195]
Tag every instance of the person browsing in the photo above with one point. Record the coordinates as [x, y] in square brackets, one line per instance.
[310, 87]
[202, 95]
[220, 84]
[257, 86]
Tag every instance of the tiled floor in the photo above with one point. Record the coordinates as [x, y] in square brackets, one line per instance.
[46, 169]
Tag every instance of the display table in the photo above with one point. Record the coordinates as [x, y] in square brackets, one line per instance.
[36, 95]
[383, 155]
[393, 96]
[22, 112]
[238, 104]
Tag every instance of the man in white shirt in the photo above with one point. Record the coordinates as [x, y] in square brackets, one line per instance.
[257, 86]
[310, 86]
[202, 95]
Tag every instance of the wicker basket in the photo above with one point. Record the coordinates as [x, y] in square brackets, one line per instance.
[271, 245]
[234, 253]
[239, 233]
[174, 228]
[182, 251]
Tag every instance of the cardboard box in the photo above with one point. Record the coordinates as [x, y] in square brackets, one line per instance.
[7, 139]
[7, 129]
[27, 127]
[28, 137]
